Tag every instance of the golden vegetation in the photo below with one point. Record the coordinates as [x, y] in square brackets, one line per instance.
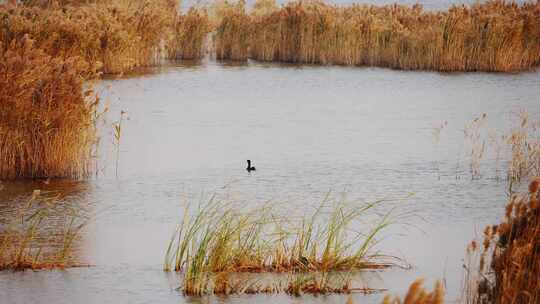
[231, 36]
[492, 36]
[47, 117]
[42, 234]
[189, 35]
[47, 50]
[112, 36]
[510, 255]
[218, 240]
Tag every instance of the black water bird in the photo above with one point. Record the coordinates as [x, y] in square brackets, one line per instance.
[249, 166]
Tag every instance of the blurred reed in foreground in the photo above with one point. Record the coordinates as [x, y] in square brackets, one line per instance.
[418, 295]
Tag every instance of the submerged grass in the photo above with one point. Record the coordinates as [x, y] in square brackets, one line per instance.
[26, 241]
[220, 238]
[524, 142]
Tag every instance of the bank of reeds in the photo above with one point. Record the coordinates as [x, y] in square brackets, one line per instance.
[509, 257]
[112, 36]
[41, 235]
[232, 35]
[219, 239]
[189, 35]
[491, 36]
[47, 117]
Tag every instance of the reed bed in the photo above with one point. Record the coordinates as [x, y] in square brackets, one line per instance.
[492, 36]
[47, 117]
[232, 35]
[218, 240]
[509, 257]
[112, 36]
[41, 235]
[189, 35]
[47, 114]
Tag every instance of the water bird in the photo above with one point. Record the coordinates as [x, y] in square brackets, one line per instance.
[249, 166]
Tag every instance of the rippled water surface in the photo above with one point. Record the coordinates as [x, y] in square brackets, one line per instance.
[367, 132]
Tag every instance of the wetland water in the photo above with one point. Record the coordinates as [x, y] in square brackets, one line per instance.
[367, 132]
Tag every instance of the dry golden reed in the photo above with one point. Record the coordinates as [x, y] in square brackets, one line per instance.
[490, 36]
[232, 34]
[47, 118]
[47, 50]
[189, 35]
[511, 273]
[112, 36]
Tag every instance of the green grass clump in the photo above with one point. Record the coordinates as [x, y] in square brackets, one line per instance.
[219, 239]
